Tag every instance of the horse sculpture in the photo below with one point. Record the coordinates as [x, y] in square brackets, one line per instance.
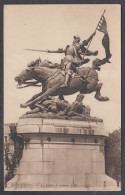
[52, 79]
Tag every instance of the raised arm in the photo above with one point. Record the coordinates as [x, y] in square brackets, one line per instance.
[85, 42]
[60, 50]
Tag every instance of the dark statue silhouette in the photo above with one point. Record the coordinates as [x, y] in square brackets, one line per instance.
[68, 78]
[52, 79]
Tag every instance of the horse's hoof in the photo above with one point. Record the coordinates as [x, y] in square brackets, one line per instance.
[23, 106]
[101, 98]
[106, 99]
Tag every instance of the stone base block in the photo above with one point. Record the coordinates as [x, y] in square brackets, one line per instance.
[61, 165]
[58, 160]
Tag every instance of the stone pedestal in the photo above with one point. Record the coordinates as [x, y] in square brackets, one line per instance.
[61, 155]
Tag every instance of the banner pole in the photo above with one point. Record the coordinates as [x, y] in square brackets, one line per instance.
[92, 37]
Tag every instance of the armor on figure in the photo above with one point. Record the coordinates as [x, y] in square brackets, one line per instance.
[68, 68]
[79, 48]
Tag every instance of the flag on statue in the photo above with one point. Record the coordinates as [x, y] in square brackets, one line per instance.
[102, 27]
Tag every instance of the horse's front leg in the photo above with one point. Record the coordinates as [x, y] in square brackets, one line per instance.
[50, 91]
[31, 99]
[98, 93]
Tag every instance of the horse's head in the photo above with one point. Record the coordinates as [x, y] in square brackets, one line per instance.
[35, 63]
[24, 76]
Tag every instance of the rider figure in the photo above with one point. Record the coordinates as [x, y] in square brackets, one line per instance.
[70, 65]
[80, 48]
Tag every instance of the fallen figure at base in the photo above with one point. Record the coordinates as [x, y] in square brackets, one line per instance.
[52, 105]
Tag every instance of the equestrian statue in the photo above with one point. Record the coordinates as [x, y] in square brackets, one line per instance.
[53, 79]
[68, 77]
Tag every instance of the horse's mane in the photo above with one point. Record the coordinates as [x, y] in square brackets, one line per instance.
[45, 68]
[45, 63]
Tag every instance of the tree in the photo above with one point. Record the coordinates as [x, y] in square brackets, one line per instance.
[113, 155]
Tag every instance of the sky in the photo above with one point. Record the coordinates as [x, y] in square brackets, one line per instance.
[51, 27]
